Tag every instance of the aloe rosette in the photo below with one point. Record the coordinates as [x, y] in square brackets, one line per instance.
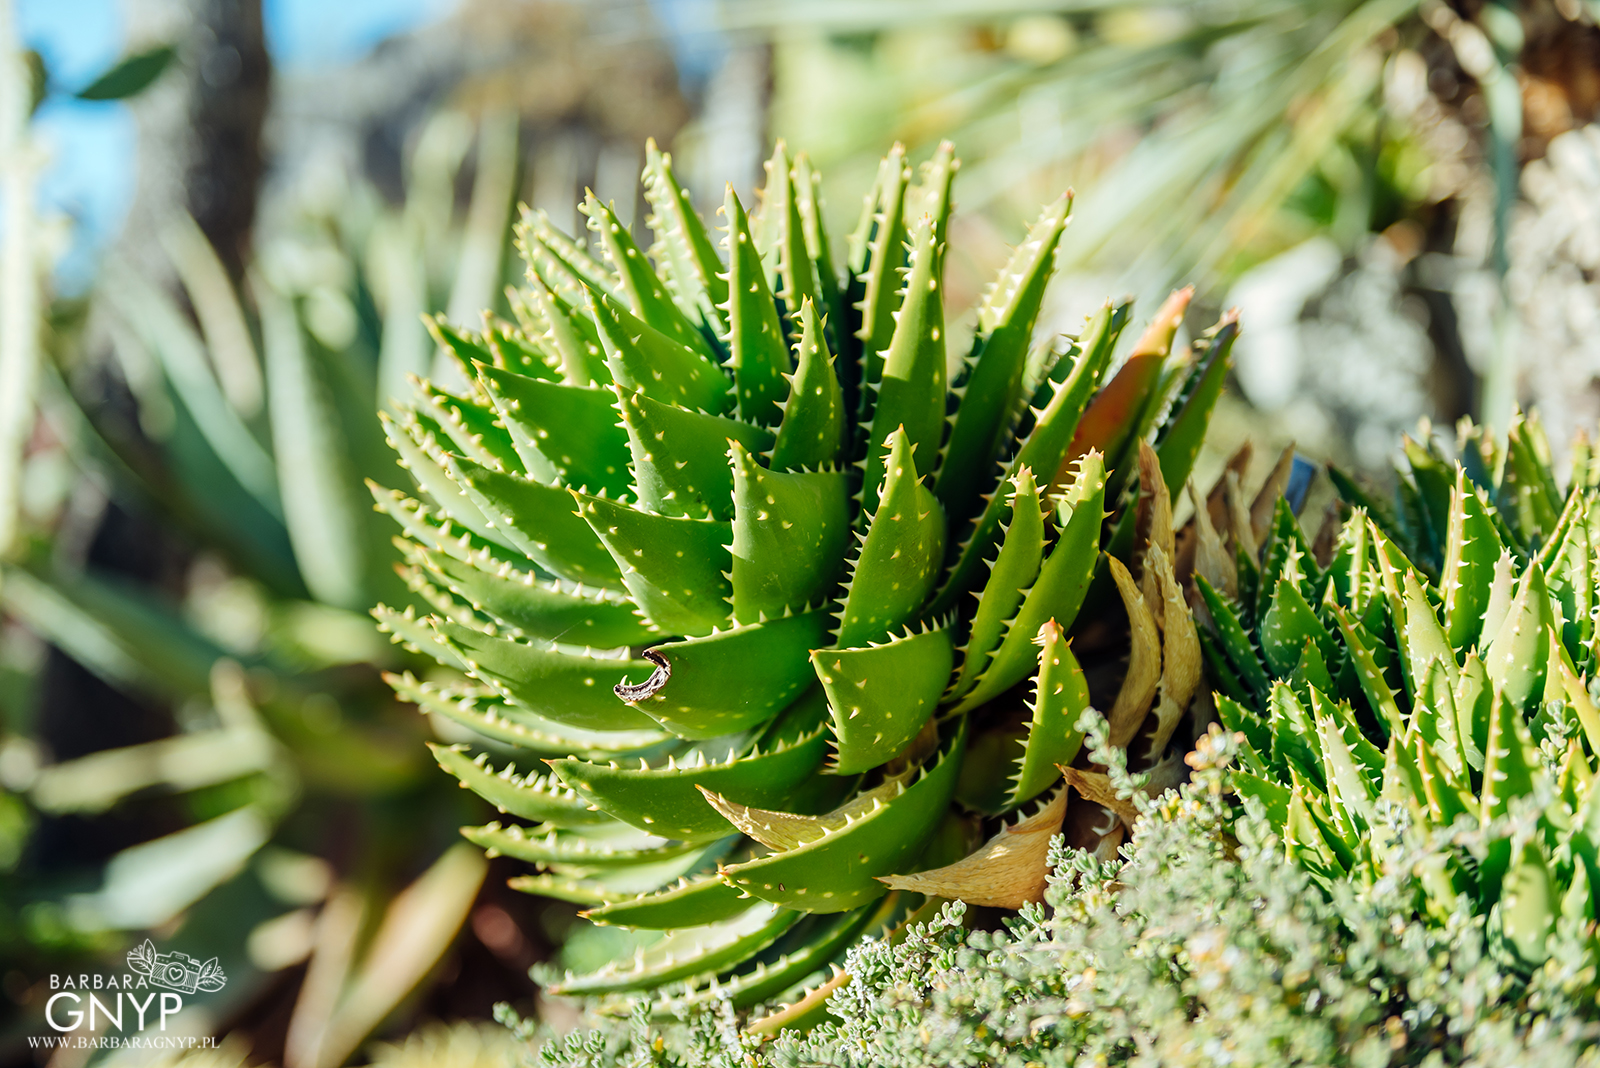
[725, 538]
[1432, 670]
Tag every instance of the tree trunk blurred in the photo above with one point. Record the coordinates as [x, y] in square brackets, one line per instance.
[231, 77]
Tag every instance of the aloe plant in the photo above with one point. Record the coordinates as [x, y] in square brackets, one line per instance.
[1430, 667]
[778, 591]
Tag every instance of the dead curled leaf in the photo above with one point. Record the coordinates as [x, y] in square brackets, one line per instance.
[1008, 872]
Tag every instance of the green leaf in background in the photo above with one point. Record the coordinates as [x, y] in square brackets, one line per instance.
[131, 76]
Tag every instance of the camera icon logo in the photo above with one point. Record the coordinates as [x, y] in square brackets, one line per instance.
[176, 971]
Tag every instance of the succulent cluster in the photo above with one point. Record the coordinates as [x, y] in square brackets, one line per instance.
[732, 544]
[1430, 667]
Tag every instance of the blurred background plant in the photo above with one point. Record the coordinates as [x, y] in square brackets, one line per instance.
[193, 736]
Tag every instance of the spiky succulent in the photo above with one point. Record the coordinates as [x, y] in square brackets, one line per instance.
[1434, 668]
[727, 541]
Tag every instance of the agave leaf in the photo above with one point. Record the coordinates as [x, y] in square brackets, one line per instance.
[811, 433]
[683, 248]
[529, 797]
[1015, 568]
[910, 396]
[900, 554]
[1060, 697]
[664, 799]
[680, 458]
[881, 695]
[686, 952]
[675, 569]
[666, 369]
[758, 354]
[567, 435]
[836, 870]
[568, 687]
[729, 680]
[993, 372]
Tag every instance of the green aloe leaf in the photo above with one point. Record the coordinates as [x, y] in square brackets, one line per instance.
[640, 357]
[664, 799]
[687, 952]
[1060, 696]
[692, 902]
[911, 393]
[790, 531]
[566, 435]
[882, 694]
[1058, 592]
[680, 458]
[1045, 449]
[529, 797]
[674, 568]
[811, 432]
[900, 554]
[567, 687]
[1015, 568]
[542, 522]
[552, 611]
[991, 385]
[877, 254]
[836, 870]
[757, 352]
[729, 680]
[683, 248]
[646, 294]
